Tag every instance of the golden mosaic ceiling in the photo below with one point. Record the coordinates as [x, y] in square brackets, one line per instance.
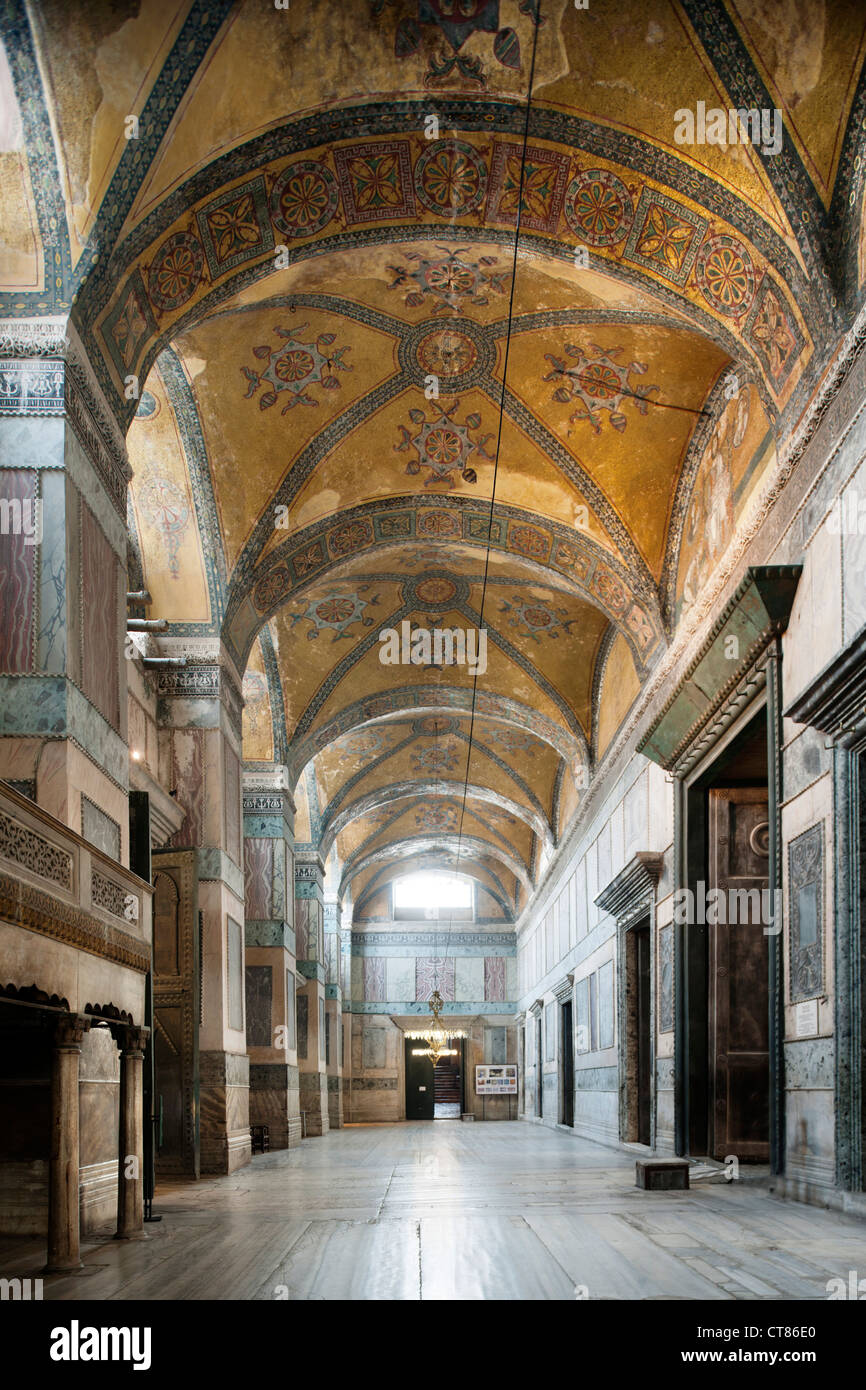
[296, 276]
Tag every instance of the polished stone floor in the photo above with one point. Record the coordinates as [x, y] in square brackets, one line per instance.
[447, 1210]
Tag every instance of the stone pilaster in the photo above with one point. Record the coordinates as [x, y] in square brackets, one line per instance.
[310, 937]
[270, 955]
[199, 711]
[63, 676]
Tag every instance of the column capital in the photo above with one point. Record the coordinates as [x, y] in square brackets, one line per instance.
[309, 865]
[69, 1032]
[131, 1039]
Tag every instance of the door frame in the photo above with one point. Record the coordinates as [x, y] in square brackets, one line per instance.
[691, 954]
[629, 1039]
[408, 1043]
[720, 1144]
[631, 899]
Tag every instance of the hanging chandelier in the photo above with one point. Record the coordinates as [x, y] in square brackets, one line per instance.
[435, 1035]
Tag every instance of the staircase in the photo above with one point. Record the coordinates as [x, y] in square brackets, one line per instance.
[447, 1089]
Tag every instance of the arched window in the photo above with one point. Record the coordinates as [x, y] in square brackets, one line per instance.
[434, 896]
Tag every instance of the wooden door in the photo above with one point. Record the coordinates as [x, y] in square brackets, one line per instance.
[419, 1084]
[176, 1009]
[567, 1064]
[644, 1034]
[739, 974]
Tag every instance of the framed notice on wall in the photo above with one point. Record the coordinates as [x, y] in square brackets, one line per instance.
[496, 1081]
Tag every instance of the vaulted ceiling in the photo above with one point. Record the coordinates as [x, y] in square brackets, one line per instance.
[354, 398]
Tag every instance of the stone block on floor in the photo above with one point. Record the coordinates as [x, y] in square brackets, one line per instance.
[662, 1174]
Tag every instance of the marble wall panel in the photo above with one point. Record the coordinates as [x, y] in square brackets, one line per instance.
[259, 997]
[373, 1049]
[17, 576]
[494, 979]
[434, 972]
[469, 978]
[399, 978]
[101, 830]
[233, 805]
[278, 892]
[373, 979]
[51, 637]
[100, 644]
[302, 926]
[258, 877]
[666, 979]
[303, 1026]
[605, 1005]
[235, 973]
[187, 757]
[291, 1010]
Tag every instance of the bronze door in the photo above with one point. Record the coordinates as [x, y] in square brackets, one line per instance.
[738, 992]
[419, 1084]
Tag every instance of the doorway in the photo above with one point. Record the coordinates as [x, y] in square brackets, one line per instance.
[434, 1093]
[567, 1053]
[727, 953]
[637, 1043]
[448, 1085]
[538, 1070]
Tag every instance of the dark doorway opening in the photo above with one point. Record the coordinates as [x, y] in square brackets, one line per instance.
[434, 1093]
[539, 1099]
[448, 1085]
[644, 1035]
[567, 1045]
[637, 1038]
[727, 953]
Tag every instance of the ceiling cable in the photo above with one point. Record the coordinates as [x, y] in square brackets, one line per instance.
[521, 183]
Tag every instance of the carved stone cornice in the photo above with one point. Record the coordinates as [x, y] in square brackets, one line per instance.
[634, 887]
[309, 865]
[42, 337]
[835, 701]
[261, 802]
[563, 990]
[757, 611]
[48, 373]
[266, 789]
[208, 675]
[537, 1008]
[23, 905]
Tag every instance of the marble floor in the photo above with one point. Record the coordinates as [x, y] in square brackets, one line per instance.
[447, 1210]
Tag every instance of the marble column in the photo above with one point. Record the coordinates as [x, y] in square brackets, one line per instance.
[199, 713]
[333, 1011]
[63, 1168]
[310, 936]
[270, 955]
[130, 1176]
[63, 677]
